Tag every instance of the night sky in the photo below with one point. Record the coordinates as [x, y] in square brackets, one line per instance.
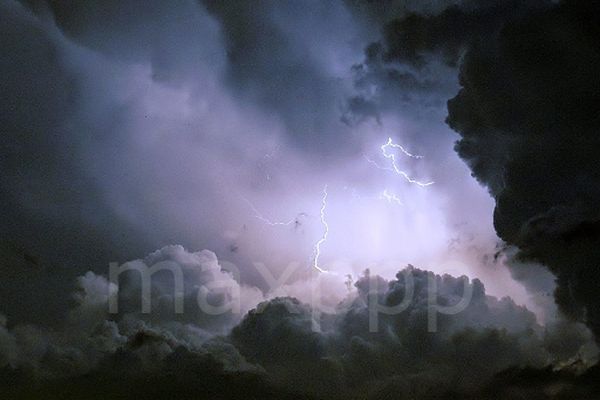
[291, 164]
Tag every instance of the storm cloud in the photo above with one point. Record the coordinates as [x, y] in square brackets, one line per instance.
[274, 348]
[535, 143]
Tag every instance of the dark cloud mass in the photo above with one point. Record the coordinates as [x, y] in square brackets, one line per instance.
[527, 116]
[273, 61]
[448, 33]
[50, 205]
[421, 44]
[274, 352]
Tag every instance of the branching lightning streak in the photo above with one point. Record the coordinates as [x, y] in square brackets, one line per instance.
[390, 197]
[258, 215]
[390, 143]
[394, 166]
[370, 161]
[323, 239]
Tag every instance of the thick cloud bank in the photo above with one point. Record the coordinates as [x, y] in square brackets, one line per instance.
[274, 350]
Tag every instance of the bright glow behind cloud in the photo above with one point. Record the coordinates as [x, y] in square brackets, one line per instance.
[172, 137]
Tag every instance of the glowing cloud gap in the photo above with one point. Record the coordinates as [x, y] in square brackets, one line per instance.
[317, 248]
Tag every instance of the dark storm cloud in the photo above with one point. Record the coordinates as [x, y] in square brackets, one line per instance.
[527, 114]
[385, 10]
[87, 332]
[413, 36]
[275, 56]
[50, 206]
[530, 383]
[358, 109]
[80, 84]
[421, 44]
[198, 270]
[137, 32]
[402, 357]
[183, 375]
[274, 348]
[385, 86]
[280, 66]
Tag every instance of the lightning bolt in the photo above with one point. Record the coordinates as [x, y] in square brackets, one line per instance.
[323, 239]
[394, 166]
[390, 197]
[317, 247]
[390, 143]
[258, 215]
